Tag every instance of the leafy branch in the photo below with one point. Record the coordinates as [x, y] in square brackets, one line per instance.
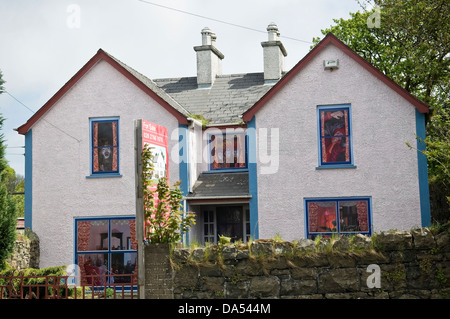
[165, 219]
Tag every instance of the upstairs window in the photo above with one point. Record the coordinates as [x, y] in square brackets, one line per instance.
[335, 136]
[228, 151]
[105, 146]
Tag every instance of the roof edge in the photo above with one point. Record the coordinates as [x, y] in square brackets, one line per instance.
[331, 38]
[100, 55]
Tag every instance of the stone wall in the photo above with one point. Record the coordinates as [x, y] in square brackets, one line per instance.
[389, 265]
[26, 251]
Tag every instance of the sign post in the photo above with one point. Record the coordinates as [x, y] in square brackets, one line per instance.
[140, 222]
[156, 136]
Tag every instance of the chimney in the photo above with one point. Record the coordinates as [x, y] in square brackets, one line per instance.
[274, 53]
[209, 60]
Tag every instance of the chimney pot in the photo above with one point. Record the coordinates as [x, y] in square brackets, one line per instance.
[206, 36]
[273, 32]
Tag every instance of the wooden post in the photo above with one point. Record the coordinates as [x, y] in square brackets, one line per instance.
[139, 209]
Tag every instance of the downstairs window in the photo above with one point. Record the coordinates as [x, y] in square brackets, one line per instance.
[326, 217]
[106, 246]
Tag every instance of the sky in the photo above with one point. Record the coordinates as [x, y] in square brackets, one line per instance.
[44, 43]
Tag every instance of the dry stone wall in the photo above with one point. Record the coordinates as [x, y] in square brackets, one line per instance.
[390, 265]
[26, 251]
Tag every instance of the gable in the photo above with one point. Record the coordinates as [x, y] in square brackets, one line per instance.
[142, 82]
[330, 39]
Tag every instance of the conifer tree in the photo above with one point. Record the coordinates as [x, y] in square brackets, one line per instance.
[8, 212]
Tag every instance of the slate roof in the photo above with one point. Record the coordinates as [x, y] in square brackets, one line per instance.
[221, 185]
[224, 103]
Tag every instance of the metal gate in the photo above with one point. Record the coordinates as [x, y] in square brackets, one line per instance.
[69, 287]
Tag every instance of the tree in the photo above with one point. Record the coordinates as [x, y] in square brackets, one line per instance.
[8, 212]
[15, 185]
[411, 45]
[164, 219]
[2, 89]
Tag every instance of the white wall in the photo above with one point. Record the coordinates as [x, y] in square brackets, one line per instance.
[61, 163]
[382, 122]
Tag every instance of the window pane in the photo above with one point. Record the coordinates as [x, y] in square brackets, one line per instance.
[354, 216]
[334, 122]
[335, 135]
[229, 222]
[348, 216]
[92, 266]
[105, 146]
[335, 149]
[92, 235]
[247, 224]
[123, 264]
[322, 217]
[123, 234]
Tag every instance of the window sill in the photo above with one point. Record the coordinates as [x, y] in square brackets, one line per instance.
[104, 175]
[336, 166]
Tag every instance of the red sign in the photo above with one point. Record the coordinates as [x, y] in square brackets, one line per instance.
[156, 136]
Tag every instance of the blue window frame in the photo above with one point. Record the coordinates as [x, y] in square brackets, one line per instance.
[104, 151]
[228, 151]
[106, 246]
[335, 136]
[328, 216]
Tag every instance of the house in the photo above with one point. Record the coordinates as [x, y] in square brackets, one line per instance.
[318, 150]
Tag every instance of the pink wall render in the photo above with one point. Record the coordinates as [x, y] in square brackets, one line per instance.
[382, 122]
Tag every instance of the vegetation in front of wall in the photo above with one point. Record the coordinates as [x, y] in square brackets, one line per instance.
[355, 244]
[440, 276]
[264, 250]
[27, 235]
[33, 277]
[165, 220]
[397, 275]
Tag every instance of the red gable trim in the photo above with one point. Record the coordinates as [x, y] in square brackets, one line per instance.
[330, 38]
[101, 55]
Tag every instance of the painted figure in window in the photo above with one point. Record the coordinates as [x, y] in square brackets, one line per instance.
[335, 133]
[105, 146]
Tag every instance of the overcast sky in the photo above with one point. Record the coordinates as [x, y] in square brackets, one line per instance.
[45, 42]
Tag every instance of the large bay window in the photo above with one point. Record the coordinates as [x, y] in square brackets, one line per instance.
[106, 246]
